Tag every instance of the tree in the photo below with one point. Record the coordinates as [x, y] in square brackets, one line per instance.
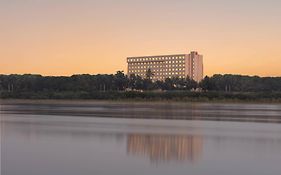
[149, 74]
[132, 84]
[190, 84]
[120, 81]
[36, 84]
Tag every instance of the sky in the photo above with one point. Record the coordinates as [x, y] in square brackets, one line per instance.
[65, 37]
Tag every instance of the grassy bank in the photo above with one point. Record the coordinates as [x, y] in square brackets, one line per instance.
[181, 96]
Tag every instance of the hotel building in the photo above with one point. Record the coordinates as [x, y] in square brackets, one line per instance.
[168, 66]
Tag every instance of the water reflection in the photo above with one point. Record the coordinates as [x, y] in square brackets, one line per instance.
[165, 148]
[51, 145]
[270, 113]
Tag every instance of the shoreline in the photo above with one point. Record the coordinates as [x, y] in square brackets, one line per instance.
[150, 96]
[135, 101]
[164, 110]
[199, 111]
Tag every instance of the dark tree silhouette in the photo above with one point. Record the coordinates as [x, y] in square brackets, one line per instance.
[149, 74]
[94, 86]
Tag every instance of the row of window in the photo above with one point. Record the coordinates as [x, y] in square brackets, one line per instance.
[163, 77]
[159, 73]
[155, 58]
[166, 62]
[156, 66]
[158, 70]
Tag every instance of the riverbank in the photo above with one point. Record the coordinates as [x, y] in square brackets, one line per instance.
[243, 112]
[151, 96]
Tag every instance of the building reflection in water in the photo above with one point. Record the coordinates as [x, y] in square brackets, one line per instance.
[165, 148]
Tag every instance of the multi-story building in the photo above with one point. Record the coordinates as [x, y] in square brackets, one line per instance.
[168, 66]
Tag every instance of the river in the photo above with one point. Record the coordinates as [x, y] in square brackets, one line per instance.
[111, 138]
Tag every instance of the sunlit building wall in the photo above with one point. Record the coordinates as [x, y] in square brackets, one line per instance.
[168, 66]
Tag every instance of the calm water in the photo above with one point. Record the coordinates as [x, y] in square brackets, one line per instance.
[71, 139]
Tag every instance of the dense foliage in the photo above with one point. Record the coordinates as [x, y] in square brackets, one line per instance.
[89, 83]
[114, 86]
[239, 83]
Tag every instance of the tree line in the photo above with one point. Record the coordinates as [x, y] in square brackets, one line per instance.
[122, 82]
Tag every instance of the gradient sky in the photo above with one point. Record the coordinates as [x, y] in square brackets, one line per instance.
[64, 37]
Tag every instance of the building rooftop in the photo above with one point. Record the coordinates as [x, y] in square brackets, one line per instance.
[158, 56]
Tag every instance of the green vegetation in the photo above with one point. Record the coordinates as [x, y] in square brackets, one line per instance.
[119, 86]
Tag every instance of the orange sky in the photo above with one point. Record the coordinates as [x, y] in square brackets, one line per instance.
[68, 37]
